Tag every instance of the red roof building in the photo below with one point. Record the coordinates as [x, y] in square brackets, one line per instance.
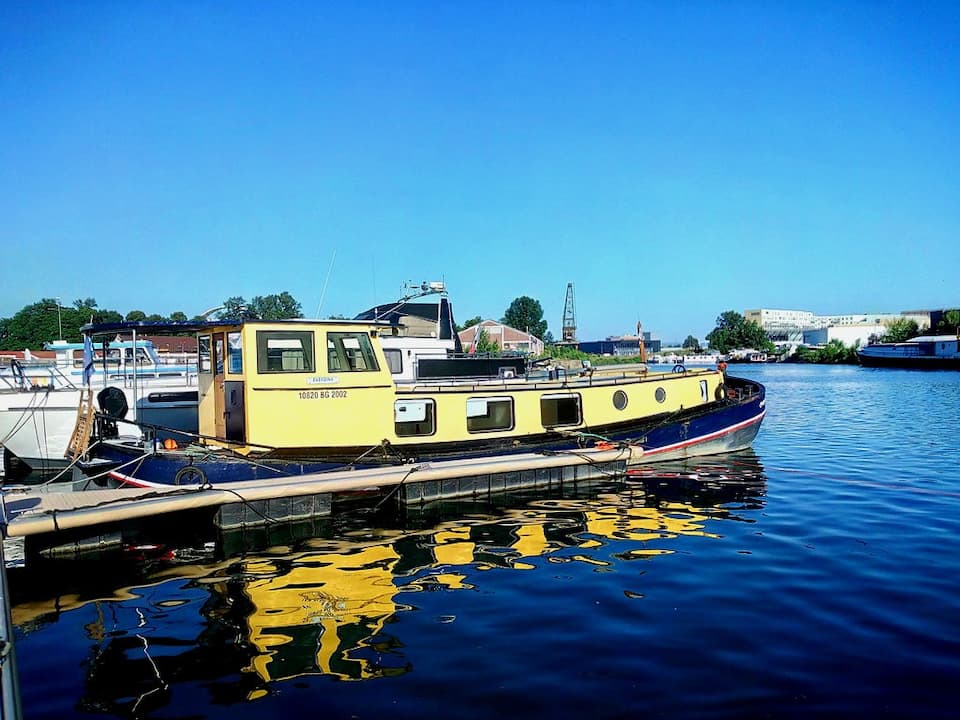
[508, 339]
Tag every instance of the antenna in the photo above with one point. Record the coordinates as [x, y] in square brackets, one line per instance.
[569, 332]
[324, 291]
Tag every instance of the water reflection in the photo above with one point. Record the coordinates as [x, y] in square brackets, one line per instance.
[326, 598]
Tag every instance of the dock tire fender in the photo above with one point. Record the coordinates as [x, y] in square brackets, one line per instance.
[190, 475]
[721, 392]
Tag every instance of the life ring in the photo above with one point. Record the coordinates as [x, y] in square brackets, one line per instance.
[190, 475]
[721, 392]
[679, 368]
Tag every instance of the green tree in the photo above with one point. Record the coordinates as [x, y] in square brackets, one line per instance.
[85, 304]
[900, 330]
[136, 316]
[526, 314]
[475, 320]
[733, 331]
[950, 323]
[235, 308]
[178, 316]
[691, 343]
[37, 324]
[485, 344]
[107, 316]
[276, 307]
[833, 353]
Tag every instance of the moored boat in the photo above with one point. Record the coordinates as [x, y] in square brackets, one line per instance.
[928, 352]
[281, 398]
[39, 399]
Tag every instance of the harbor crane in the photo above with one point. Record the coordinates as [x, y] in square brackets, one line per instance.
[569, 332]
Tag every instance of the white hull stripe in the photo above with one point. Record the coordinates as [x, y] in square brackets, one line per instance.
[136, 482]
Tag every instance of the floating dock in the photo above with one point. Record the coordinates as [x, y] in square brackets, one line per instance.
[33, 512]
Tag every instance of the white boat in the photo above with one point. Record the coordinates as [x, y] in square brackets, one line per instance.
[39, 399]
[695, 359]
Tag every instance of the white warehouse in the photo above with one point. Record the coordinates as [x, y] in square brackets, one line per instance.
[849, 335]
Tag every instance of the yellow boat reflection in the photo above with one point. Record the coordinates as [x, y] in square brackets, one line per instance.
[315, 616]
[330, 608]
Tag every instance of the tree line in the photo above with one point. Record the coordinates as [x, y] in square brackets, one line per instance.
[47, 320]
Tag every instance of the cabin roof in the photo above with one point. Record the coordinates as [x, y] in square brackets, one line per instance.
[149, 328]
[397, 313]
[933, 338]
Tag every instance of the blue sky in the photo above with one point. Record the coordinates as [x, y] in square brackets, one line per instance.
[672, 160]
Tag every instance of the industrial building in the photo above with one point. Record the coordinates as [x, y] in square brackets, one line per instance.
[621, 345]
[803, 327]
[851, 335]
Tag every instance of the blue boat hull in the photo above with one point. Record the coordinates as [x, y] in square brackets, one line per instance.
[916, 362]
[722, 427]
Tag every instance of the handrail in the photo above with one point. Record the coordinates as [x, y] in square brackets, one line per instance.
[564, 383]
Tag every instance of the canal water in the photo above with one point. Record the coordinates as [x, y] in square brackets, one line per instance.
[815, 576]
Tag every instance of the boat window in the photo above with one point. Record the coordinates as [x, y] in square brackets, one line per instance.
[394, 360]
[350, 352]
[559, 410]
[703, 391]
[113, 358]
[414, 417]
[487, 414]
[285, 351]
[234, 353]
[218, 352]
[620, 400]
[203, 354]
[660, 394]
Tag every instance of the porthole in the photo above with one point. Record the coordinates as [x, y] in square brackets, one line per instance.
[620, 400]
[660, 395]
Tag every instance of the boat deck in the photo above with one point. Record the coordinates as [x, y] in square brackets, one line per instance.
[600, 375]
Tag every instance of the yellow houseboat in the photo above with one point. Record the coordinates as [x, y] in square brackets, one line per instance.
[299, 396]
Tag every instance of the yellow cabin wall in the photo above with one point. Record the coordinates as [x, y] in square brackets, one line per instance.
[206, 407]
[357, 408]
[596, 403]
[286, 410]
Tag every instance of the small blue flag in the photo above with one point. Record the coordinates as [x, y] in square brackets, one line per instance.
[87, 359]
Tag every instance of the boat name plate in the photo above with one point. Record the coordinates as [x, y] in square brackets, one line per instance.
[322, 380]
